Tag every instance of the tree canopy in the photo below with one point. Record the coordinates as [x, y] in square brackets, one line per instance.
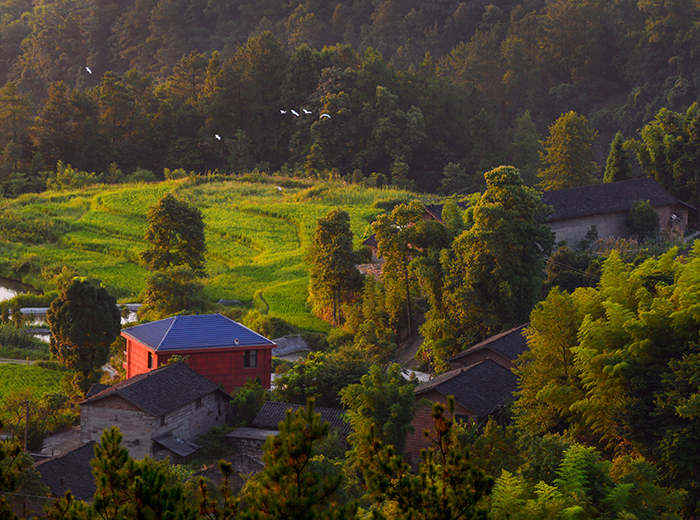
[84, 321]
[176, 236]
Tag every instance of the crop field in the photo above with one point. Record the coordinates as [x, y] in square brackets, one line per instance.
[14, 377]
[257, 235]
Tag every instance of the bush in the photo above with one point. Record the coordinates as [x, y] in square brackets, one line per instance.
[642, 220]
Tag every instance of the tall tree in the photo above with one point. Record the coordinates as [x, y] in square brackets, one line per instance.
[396, 238]
[176, 236]
[84, 322]
[333, 273]
[568, 153]
[288, 487]
[493, 273]
[618, 166]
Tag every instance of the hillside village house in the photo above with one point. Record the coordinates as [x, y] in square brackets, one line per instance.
[605, 206]
[159, 412]
[481, 381]
[216, 347]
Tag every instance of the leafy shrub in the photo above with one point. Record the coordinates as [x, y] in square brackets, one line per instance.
[642, 220]
[141, 175]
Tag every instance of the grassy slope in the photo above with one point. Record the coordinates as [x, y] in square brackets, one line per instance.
[14, 377]
[256, 237]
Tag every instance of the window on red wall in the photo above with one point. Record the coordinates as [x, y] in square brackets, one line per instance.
[250, 359]
[150, 360]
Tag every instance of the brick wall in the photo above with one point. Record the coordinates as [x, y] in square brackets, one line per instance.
[221, 365]
[424, 421]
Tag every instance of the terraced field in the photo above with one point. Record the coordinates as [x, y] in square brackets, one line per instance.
[15, 377]
[257, 235]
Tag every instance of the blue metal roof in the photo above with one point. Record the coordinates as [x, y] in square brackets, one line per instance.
[195, 332]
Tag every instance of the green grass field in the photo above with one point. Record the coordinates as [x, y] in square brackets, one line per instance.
[257, 236]
[14, 377]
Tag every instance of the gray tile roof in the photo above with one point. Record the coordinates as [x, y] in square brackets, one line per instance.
[273, 413]
[178, 446]
[601, 199]
[195, 332]
[289, 345]
[70, 471]
[482, 387]
[510, 344]
[162, 390]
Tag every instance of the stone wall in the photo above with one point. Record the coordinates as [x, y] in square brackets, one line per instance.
[195, 418]
[136, 426]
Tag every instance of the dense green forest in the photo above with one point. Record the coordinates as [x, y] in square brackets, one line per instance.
[418, 93]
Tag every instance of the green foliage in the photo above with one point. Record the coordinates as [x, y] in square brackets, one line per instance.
[333, 276]
[642, 220]
[606, 363]
[568, 153]
[247, 401]
[321, 377]
[491, 276]
[84, 321]
[569, 269]
[287, 458]
[382, 402]
[178, 289]
[618, 166]
[176, 236]
[68, 178]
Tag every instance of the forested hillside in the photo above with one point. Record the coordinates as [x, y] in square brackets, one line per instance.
[431, 94]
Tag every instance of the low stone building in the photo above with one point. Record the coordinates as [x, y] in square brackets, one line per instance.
[605, 206]
[159, 413]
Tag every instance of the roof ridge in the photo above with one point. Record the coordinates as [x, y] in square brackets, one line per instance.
[172, 323]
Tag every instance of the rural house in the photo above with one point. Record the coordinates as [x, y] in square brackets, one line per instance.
[480, 390]
[217, 347]
[159, 412]
[605, 206]
[70, 471]
[481, 381]
[250, 441]
[503, 348]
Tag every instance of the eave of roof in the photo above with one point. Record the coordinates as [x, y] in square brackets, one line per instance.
[601, 199]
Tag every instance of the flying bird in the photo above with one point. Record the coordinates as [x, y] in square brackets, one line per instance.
[280, 189]
[88, 69]
[325, 115]
[283, 111]
[307, 111]
[295, 112]
[217, 136]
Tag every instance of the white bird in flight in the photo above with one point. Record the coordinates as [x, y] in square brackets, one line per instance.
[280, 189]
[306, 111]
[325, 115]
[88, 69]
[217, 136]
[283, 111]
[295, 112]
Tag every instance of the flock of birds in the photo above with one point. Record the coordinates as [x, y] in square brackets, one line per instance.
[294, 112]
[306, 112]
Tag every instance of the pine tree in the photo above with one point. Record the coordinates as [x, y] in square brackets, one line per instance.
[618, 167]
[333, 275]
[569, 153]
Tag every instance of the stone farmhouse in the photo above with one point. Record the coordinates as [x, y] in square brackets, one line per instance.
[605, 206]
[216, 347]
[159, 412]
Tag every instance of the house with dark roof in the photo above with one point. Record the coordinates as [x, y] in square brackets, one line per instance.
[480, 390]
[605, 206]
[159, 412]
[291, 348]
[503, 348]
[217, 347]
[70, 471]
[249, 441]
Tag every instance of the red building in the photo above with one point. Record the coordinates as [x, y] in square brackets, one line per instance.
[217, 347]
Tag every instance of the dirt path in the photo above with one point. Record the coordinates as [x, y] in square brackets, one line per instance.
[407, 351]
